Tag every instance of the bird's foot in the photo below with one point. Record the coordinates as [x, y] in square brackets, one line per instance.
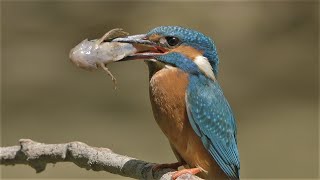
[192, 171]
[175, 166]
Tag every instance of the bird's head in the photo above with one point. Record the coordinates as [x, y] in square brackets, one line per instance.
[186, 49]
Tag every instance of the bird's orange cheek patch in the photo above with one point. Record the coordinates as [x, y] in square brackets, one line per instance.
[188, 51]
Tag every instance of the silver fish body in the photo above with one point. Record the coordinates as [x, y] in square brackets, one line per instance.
[90, 54]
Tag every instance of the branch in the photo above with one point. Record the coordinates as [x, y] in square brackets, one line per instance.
[37, 155]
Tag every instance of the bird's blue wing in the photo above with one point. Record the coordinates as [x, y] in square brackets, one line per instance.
[211, 118]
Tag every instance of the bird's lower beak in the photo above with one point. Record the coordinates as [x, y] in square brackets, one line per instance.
[146, 49]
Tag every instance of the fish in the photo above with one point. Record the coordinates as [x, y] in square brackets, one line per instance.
[92, 54]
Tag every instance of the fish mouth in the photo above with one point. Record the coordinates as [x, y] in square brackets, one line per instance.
[146, 49]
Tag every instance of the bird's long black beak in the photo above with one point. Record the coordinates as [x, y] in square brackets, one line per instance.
[146, 49]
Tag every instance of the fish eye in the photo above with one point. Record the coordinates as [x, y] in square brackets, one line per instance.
[172, 41]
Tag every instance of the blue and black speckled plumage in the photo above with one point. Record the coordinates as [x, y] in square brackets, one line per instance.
[211, 118]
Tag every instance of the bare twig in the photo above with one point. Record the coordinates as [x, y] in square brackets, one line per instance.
[37, 155]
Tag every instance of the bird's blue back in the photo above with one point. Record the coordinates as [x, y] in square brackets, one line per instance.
[211, 118]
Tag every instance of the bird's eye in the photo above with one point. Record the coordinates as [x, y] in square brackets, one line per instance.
[172, 41]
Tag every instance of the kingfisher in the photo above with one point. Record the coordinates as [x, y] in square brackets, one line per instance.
[187, 101]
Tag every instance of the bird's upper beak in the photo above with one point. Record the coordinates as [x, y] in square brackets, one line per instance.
[146, 49]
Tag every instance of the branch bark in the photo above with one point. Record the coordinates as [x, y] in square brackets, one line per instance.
[38, 155]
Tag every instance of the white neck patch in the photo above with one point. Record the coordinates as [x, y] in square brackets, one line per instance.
[204, 66]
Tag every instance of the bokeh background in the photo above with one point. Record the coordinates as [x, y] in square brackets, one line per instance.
[269, 73]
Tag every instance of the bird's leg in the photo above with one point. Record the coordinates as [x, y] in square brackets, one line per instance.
[192, 171]
[176, 165]
[110, 74]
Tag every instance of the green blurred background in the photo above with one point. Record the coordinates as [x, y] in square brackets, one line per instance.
[269, 73]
